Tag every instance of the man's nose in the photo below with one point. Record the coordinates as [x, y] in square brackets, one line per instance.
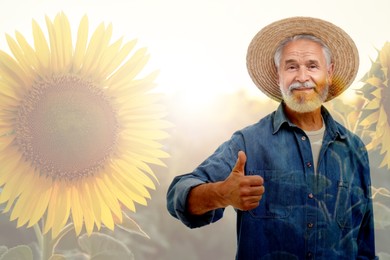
[302, 75]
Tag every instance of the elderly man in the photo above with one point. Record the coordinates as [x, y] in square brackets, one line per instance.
[299, 181]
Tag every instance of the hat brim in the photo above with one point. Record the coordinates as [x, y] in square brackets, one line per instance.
[261, 50]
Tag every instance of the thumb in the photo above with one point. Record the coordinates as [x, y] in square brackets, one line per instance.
[240, 164]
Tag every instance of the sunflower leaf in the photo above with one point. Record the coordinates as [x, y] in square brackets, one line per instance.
[21, 252]
[57, 257]
[130, 225]
[100, 246]
[382, 216]
[3, 249]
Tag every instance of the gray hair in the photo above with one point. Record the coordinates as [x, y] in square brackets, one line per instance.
[279, 50]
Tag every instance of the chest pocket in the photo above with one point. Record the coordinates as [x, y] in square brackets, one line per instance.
[277, 199]
[343, 207]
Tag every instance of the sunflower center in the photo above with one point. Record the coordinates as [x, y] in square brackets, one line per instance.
[66, 127]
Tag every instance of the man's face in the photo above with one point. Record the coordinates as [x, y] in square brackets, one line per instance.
[304, 76]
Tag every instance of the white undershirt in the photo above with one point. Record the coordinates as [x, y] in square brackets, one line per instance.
[315, 138]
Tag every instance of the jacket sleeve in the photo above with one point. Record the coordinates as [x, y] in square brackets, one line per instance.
[177, 201]
[215, 168]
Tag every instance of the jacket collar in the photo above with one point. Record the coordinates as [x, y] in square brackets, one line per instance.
[332, 127]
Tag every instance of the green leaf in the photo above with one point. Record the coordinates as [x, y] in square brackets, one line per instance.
[129, 225]
[100, 246]
[21, 252]
[3, 249]
[383, 256]
[57, 257]
[382, 215]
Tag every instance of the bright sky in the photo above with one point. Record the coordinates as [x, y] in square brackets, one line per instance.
[200, 45]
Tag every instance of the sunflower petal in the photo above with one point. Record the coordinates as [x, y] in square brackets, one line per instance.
[131, 68]
[77, 211]
[41, 47]
[111, 58]
[42, 201]
[93, 50]
[94, 204]
[62, 209]
[81, 44]
[109, 198]
[86, 205]
[29, 52]
[106, 215]
[53, 40]
[64, 41]
[20, 56]
[11, 71]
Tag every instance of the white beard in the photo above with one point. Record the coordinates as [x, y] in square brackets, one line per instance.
[300, 103]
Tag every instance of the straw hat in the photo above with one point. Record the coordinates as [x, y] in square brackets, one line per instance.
[260, 56]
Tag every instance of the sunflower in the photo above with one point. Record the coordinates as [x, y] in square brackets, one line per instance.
[78, 129]
[376, 111]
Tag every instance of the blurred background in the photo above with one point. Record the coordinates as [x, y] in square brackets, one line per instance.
[199, 47]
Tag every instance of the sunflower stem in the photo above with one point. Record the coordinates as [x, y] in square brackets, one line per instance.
[38, 234]
[62, 233]
[47, 246]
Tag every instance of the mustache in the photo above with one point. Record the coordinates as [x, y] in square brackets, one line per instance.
[298, 85]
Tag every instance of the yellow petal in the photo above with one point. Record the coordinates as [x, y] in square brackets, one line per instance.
[94, 204]
[11, 71]
[370, 119]
[8, 166]
[41, 47]
[62, 209]
[63, 37]
[77, 211]
[29, 52]
[121, 192]
[94, 48]
[109, 198]
[9, 193]
[42, 200]
[112, 58]
[128, 192]
[20, 57]
[81, 44]
[86, 205]
[54, 41]
[131, 68]
[106, 215]
[133, 173]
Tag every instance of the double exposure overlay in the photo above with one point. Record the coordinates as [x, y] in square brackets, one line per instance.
[376, 112]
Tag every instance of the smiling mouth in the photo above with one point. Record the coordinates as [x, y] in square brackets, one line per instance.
[303, 89]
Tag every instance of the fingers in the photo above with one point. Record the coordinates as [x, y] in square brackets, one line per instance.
[257, 190]
[240, 164]
[249, 203]
[245, 191]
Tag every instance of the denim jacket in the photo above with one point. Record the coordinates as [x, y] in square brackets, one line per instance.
[302, 214]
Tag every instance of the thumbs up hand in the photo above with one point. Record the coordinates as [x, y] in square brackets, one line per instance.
[241, 191]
